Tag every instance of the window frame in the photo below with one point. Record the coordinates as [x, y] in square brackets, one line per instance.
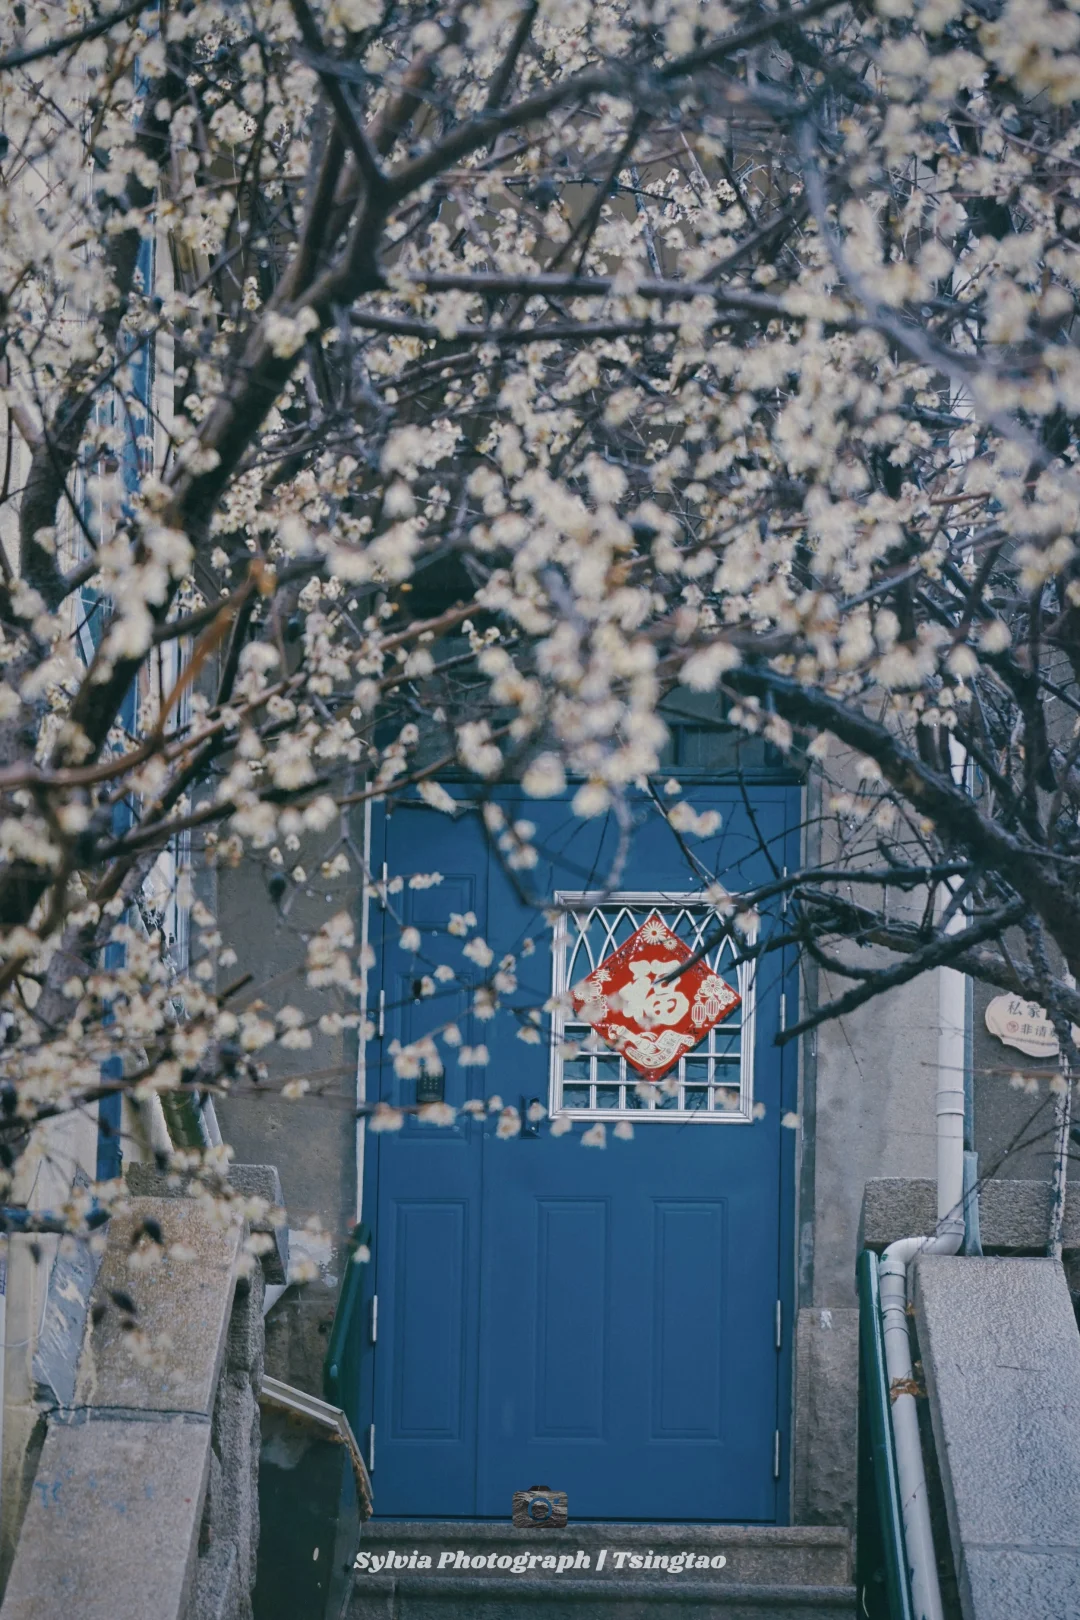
[572, 904]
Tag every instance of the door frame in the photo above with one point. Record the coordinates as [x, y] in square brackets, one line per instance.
[361, 1406]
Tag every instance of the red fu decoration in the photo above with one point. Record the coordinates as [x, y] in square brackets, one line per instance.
[650, 1018]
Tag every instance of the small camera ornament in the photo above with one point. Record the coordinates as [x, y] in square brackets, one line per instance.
[539, 1508]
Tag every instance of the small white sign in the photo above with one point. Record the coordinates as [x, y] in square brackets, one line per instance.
[1022, 1024]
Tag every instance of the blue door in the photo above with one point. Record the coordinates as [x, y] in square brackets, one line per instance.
[610, 1320]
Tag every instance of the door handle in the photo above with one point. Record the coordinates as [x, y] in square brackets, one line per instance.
[529, 1127]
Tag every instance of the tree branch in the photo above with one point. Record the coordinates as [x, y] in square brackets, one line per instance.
[36, 53]
[486, 284]
[942, 950]
[1027, 866]
[358, 143]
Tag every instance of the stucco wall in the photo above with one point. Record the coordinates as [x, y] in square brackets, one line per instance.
[876, 1079]
[311, 1139]
[867, 1109]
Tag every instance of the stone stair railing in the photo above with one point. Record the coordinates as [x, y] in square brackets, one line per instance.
[144, 1505]
[1001, 1356]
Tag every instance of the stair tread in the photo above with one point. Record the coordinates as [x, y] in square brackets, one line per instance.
[774, 1555]
[404, 1580]
[802, 1535]
[772, 1572]
[405, 1594]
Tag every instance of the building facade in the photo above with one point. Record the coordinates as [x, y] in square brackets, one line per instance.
[664, 1325]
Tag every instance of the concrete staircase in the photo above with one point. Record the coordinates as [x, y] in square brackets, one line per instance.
[769, 1573]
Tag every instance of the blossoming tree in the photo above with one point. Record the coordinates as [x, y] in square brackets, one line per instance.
[394, 387]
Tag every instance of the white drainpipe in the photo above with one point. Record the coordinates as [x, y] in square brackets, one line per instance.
[893, 1277]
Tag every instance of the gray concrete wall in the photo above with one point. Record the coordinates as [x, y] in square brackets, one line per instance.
[310, 1139]
[826, 1385]
[868, 1081]
[876, 1080]
[1015, 1214]
[874, 1071]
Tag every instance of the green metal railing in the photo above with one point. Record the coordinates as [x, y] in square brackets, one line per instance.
[881, 1569]
[341, 1384]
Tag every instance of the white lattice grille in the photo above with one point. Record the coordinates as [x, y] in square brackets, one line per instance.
[713, 1084]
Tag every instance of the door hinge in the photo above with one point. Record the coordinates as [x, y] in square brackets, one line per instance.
[371, 1448]
[783, 1009]
[373, 1323]
[382, 1013]
[779, 1323]
[382, 886]
[775, 1454]
[784, 901]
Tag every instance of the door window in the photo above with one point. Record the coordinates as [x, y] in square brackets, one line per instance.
[712, 1084]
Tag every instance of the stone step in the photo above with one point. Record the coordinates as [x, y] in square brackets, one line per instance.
[767, 1555]
[667, 1597]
